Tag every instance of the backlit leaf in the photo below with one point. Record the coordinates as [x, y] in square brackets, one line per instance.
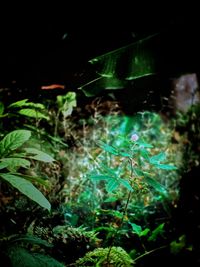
[33, 113]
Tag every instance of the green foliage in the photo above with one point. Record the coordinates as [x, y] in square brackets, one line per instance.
[32, 113]
[12, 160]
[27, 188]
[13, 140]
[138, 154]
[36, 154]
[17, 250]
[66, 103]
[157, 231]
[28, 109]
[177, 245]
[114, 74]
[67, 234]
[23, 258]
[117, 257]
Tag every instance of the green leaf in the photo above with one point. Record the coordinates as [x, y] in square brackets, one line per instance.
[177, 246]
[145, 232]
[156, 185]
[136, 228]
[21, 257]
[108, 148]
[33, 113]
[38, 155]
[1, 108]
[165, 167]
[158, 231]
[23, 103]
[27, 188]
[14, 163]
[124, 154]
[30, 239]
[35, 179]
[66, 103]
[126, 184]
[157, 158]
[99, 177]
[138, 172]
[14, 140]
[112, 184]
[140, 62]
[18, 103]
[110, 199]
[108, 170]
[142, 144]
[144, 154]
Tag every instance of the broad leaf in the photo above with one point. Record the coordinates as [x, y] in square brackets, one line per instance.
[14, 163]
[27, 188]
[33, 113]
[18, 103]
[24, 103]
[156, 185]
[21, 257]
[30, 240]
[14, 140]
[38, 155]
[108, 148]
[126, 184]
[136, 228]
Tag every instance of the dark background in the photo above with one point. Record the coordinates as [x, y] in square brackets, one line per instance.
[52, 44]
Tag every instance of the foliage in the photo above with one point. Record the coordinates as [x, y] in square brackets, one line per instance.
[26, 108]
[17, 251]
[67, 233]
[139, 62]
[15, 157]
[142, 166]
[99, 257]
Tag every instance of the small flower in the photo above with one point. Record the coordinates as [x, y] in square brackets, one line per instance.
[134, 137]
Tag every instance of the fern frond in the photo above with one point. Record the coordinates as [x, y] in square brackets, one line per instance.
[118, 257]
[67, 233]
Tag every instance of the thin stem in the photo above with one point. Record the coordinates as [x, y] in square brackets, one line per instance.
[123, 215]
[149, 252]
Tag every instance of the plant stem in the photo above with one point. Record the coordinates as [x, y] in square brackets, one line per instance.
[149, 252]
[123, 215]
